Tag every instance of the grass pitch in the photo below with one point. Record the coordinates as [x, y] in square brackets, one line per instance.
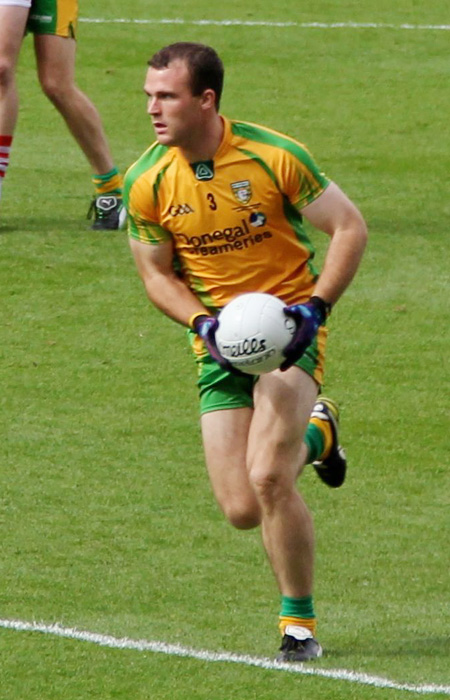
[108, 523]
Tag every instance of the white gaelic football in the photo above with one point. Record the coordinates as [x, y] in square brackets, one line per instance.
[253, 332]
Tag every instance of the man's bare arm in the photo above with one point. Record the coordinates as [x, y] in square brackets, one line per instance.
[336, 215]
[164, 289]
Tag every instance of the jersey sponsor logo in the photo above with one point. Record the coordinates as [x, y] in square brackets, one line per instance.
[242, 190]
[257, 219]
[204, 171]
[180, 209]
[226, 240]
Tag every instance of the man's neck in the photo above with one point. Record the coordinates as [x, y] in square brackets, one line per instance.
[205, 146]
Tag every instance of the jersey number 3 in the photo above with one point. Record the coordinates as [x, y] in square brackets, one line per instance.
[212, 201]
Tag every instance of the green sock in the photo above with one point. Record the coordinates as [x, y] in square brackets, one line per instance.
[315, 443]
[297, 607]
[108, 183]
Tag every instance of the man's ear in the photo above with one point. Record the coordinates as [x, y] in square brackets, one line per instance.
[208, 99]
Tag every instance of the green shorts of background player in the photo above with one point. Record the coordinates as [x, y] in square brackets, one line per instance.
[57, 17]
[53, 24]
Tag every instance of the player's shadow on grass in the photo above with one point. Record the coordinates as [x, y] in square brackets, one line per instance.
[51, 226]
[7, 228]
[431, 646]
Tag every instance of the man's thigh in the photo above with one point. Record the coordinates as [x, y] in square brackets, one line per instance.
[55, 57]
[283, 402]
[13, 17]
[225, 435]
[56, 17]
[15, 3]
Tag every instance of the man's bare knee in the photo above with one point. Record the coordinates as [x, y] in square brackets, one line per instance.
[242, 516]
[6, 73]
[57, 93]
[269, 487]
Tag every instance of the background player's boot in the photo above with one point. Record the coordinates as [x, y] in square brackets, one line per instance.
[333, 467]
[109, 213]
[298, 644]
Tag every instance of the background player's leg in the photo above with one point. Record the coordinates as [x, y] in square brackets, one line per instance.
[56, 70]
[12, 26]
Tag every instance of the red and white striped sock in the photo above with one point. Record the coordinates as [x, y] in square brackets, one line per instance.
[5, 149]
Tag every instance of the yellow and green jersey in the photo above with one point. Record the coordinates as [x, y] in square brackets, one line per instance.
[235, 221]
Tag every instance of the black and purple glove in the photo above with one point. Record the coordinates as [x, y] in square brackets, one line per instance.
[308, 318]
[206, 326]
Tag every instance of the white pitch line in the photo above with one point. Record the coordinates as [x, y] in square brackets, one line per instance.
[224, 657]
[262, 23]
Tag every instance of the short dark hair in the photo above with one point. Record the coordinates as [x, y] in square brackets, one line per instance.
[204, 65]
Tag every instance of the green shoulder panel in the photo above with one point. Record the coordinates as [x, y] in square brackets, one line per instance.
[263, 135]
[147, 160]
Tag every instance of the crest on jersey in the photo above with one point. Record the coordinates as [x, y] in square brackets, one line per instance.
[242, 190]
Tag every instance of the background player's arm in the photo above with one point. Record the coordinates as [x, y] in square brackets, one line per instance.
[164, 289]
[333, 213]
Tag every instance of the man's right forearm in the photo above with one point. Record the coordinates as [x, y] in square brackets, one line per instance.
[164, 289]
[171, 296]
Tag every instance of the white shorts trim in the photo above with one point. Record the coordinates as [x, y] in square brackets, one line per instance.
[17, 3]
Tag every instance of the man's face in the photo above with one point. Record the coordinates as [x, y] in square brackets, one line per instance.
[175, 113]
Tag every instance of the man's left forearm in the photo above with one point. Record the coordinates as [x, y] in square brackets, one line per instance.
[341, 261]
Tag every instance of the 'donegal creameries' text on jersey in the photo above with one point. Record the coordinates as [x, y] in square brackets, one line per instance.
[234, 222]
